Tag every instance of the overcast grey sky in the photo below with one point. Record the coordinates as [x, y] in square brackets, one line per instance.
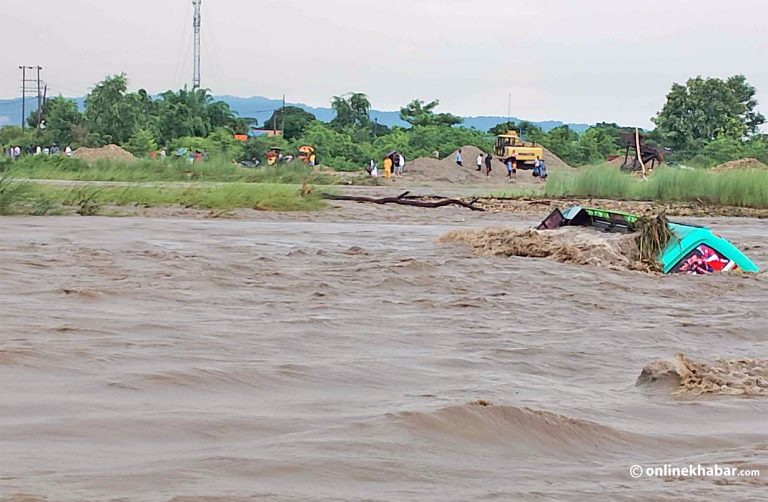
[576, 61]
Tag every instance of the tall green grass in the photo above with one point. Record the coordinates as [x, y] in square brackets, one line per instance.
[12, 193]
[18, 197]
[266, 197]
[743, 188]
[145, 170]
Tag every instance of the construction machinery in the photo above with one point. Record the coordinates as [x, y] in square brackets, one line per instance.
[646, 156]
[510, 145]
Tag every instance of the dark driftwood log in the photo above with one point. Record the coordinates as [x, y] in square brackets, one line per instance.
[405, 200]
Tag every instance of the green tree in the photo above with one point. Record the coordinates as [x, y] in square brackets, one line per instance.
[417, 113]
[503, 128]
[141, 143]
[194, 113]
[9, 134]
[705, 108]
[379, 129]
[183, 113]
[598, 142]
[295, 120]
[564, 143]
[530, 131]
[352, 110]
[109, 113]
[335, 148]
[62, 121]
[223, 142]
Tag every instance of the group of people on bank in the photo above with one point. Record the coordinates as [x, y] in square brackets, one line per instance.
[14, 152]
[484, 163]
[393, 164]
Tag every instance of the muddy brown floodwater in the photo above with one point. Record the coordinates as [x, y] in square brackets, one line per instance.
[342, 355]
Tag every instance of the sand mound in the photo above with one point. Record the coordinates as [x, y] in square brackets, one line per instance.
[430, 169]
[469, 153]
[748, 163]
[581, 246]
[735, 377]
[555, 163]
[109, 152]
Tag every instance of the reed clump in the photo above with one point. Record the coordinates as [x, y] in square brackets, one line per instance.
[737, 187]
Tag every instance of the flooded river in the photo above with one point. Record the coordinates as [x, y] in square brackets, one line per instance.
[340, 356]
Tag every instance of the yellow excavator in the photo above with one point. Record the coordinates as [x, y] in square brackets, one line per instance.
[510, 145]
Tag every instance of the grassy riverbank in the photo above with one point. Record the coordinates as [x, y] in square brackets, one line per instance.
[741, 188]
[19, 197]
[63, 168]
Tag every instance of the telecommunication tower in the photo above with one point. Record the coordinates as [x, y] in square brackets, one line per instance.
[196, 27]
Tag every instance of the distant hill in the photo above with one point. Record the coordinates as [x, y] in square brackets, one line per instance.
[10, 109]
[261, 109]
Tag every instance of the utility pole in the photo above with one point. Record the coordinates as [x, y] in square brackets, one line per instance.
[274, 122]
[27, 86]
[23, 95]
[196, 22]
[40, 115]
[282, 117]
[39, 97]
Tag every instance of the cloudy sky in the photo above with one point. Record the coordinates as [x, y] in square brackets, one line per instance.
[575, 61]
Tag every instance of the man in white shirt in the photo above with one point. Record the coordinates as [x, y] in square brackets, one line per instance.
[480, 161]
[458, 158]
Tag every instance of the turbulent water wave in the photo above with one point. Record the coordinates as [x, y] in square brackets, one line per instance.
[521, 428]
[579, 246]
[734, 377]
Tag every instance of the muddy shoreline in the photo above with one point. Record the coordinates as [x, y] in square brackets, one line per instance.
[530, 206]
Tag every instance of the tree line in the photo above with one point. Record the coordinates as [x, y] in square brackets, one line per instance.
[707, 120]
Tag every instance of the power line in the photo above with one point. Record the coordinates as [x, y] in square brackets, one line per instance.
[213, 56]
[183, 44]
[180, 79]
[58, 87]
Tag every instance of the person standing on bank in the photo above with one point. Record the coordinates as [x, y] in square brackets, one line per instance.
[488, 160]
[458, 158]
[387, 167]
